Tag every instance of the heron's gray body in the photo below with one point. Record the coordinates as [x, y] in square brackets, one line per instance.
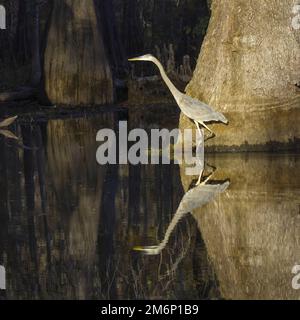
[199, 111]
[201, 195]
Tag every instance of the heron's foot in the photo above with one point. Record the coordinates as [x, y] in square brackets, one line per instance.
[208, 178]
[149, 250]
[209, 165]
[199, 183]
[211, 136]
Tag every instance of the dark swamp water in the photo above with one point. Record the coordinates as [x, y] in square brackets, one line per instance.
[68, 226]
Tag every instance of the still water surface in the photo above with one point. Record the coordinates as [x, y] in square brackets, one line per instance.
[68, 226]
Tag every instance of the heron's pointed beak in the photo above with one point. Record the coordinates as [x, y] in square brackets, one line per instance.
[134, 59]
[138, 248]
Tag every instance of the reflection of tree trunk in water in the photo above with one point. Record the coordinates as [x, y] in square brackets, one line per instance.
[107, 231]
[75, 180]
[205, 277]
[166, 192]
[41, 162]
[28, 140]
[10, 240]
[108, 265]
[134, 196]
[164, 177]
[3, 198]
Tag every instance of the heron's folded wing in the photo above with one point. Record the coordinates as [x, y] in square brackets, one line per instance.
[197, 110]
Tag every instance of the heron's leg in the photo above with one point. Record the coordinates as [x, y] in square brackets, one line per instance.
[201, 134]
[206, 127]
[209, 176]
[197, 124]
[199, 178]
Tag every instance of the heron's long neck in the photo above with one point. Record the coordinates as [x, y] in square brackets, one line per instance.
[176, 93]
[177, 217]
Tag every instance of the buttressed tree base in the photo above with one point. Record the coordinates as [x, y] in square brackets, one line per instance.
[77, 70]
[251, 76]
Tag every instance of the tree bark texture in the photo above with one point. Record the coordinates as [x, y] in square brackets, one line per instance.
[249, 68]
[111, 37]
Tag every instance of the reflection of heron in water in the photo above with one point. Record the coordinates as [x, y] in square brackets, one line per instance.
[194, 109]
[193, 199]
[194, 163]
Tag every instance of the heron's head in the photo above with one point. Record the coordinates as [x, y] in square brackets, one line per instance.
[146, 57]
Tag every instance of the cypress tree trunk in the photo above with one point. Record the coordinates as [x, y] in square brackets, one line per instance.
[36, 71]
[132, 28]
[115, 51]
[248, 68]
[77, 71]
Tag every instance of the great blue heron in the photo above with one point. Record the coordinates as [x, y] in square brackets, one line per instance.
[194, 109]
[193, 199]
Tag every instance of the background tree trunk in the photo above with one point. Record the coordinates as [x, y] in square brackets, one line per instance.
[248, 68]
[132, 28]
[115, 51]
[36, 71]
[77, 71]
